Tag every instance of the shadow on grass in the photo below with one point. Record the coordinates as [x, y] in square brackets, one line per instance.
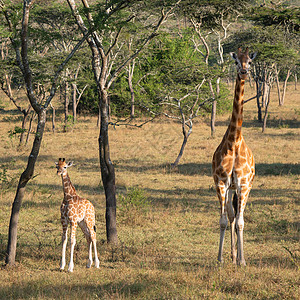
[280, 262]
[273, 123]
[191, 169]
[113, 290]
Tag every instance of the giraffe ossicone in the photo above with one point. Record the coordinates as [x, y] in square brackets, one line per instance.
[75, 211]
[233, 166]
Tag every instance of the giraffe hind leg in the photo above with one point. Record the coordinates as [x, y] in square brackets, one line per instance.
[231, 211]
[222, 194]
[95, 252]
[242, 200]
[87, 233]
[235, 203]
[93, 237]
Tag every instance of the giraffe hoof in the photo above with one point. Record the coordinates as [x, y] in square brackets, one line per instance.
[70, 269]
[97, 264]
[89, 264]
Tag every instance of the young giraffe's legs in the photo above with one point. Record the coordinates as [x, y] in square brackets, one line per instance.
[87, 234]
[93, 236]
[73, 242]
[222, 191]
[242, 199]
[231, 217]
[64, 244]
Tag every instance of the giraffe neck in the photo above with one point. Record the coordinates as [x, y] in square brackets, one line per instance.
[235, 125]
[68, 187]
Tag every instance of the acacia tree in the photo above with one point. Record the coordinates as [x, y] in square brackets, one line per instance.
[7, 72]
[20, 41]
[211, 21]
[281, 22]
[177, 83]
[106, 21]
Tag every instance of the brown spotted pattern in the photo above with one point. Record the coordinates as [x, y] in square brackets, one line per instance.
[75, 211]
[233, 170]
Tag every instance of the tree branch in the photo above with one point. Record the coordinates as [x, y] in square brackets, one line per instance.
[61, 67]
[162, 19]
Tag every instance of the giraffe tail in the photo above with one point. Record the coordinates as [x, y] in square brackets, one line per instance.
[94, 228]
[235, 203]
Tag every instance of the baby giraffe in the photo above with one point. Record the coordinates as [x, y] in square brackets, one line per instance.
[75, 211]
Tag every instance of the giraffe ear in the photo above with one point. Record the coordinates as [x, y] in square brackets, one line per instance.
[233, 55]
[252, 55]
[69, 164]
[56, 163]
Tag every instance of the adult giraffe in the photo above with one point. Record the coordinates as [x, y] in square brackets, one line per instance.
[233, 166]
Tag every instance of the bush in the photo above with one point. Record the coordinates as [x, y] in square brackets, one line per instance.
[134, 206]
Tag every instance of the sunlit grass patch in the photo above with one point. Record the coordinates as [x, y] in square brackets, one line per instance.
[167, 219]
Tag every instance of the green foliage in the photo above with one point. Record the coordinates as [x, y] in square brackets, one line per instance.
[170, 67]
[17, 130]
[89, 101]
[134, 206]
[207, 12]
[6, 181]
[272, 45]
[285, 17]
[135, 199]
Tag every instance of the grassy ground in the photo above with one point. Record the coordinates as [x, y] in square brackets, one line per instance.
[168, 221]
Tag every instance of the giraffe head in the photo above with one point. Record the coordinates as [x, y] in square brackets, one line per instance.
[243, 61]
[62, 166]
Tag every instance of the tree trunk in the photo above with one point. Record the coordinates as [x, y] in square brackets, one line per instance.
[213, 110]
[258, 95]
[74, 102]
[296, 79]
[25, 177]
[24, 122]
[278, 88]
[131, 96]
[176, 162]
[265, 94]
[268, 90]
[53, 118]
[66, 106]
[130, 85]
[213, 118]
[284, 87]
[107, 171]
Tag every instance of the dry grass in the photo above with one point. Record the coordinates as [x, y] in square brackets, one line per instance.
[167, 249]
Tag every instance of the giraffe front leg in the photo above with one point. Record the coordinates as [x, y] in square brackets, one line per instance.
[221, 191]
[64, 245]
[73, 242]
[240, 239]
[242, 199]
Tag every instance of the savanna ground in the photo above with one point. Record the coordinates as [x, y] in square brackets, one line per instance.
[168, 221]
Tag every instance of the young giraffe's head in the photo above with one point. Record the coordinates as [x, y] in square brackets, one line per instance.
[62, 166]
[243, 61]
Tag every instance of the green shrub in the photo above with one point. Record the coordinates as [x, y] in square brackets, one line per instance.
[133, 206]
